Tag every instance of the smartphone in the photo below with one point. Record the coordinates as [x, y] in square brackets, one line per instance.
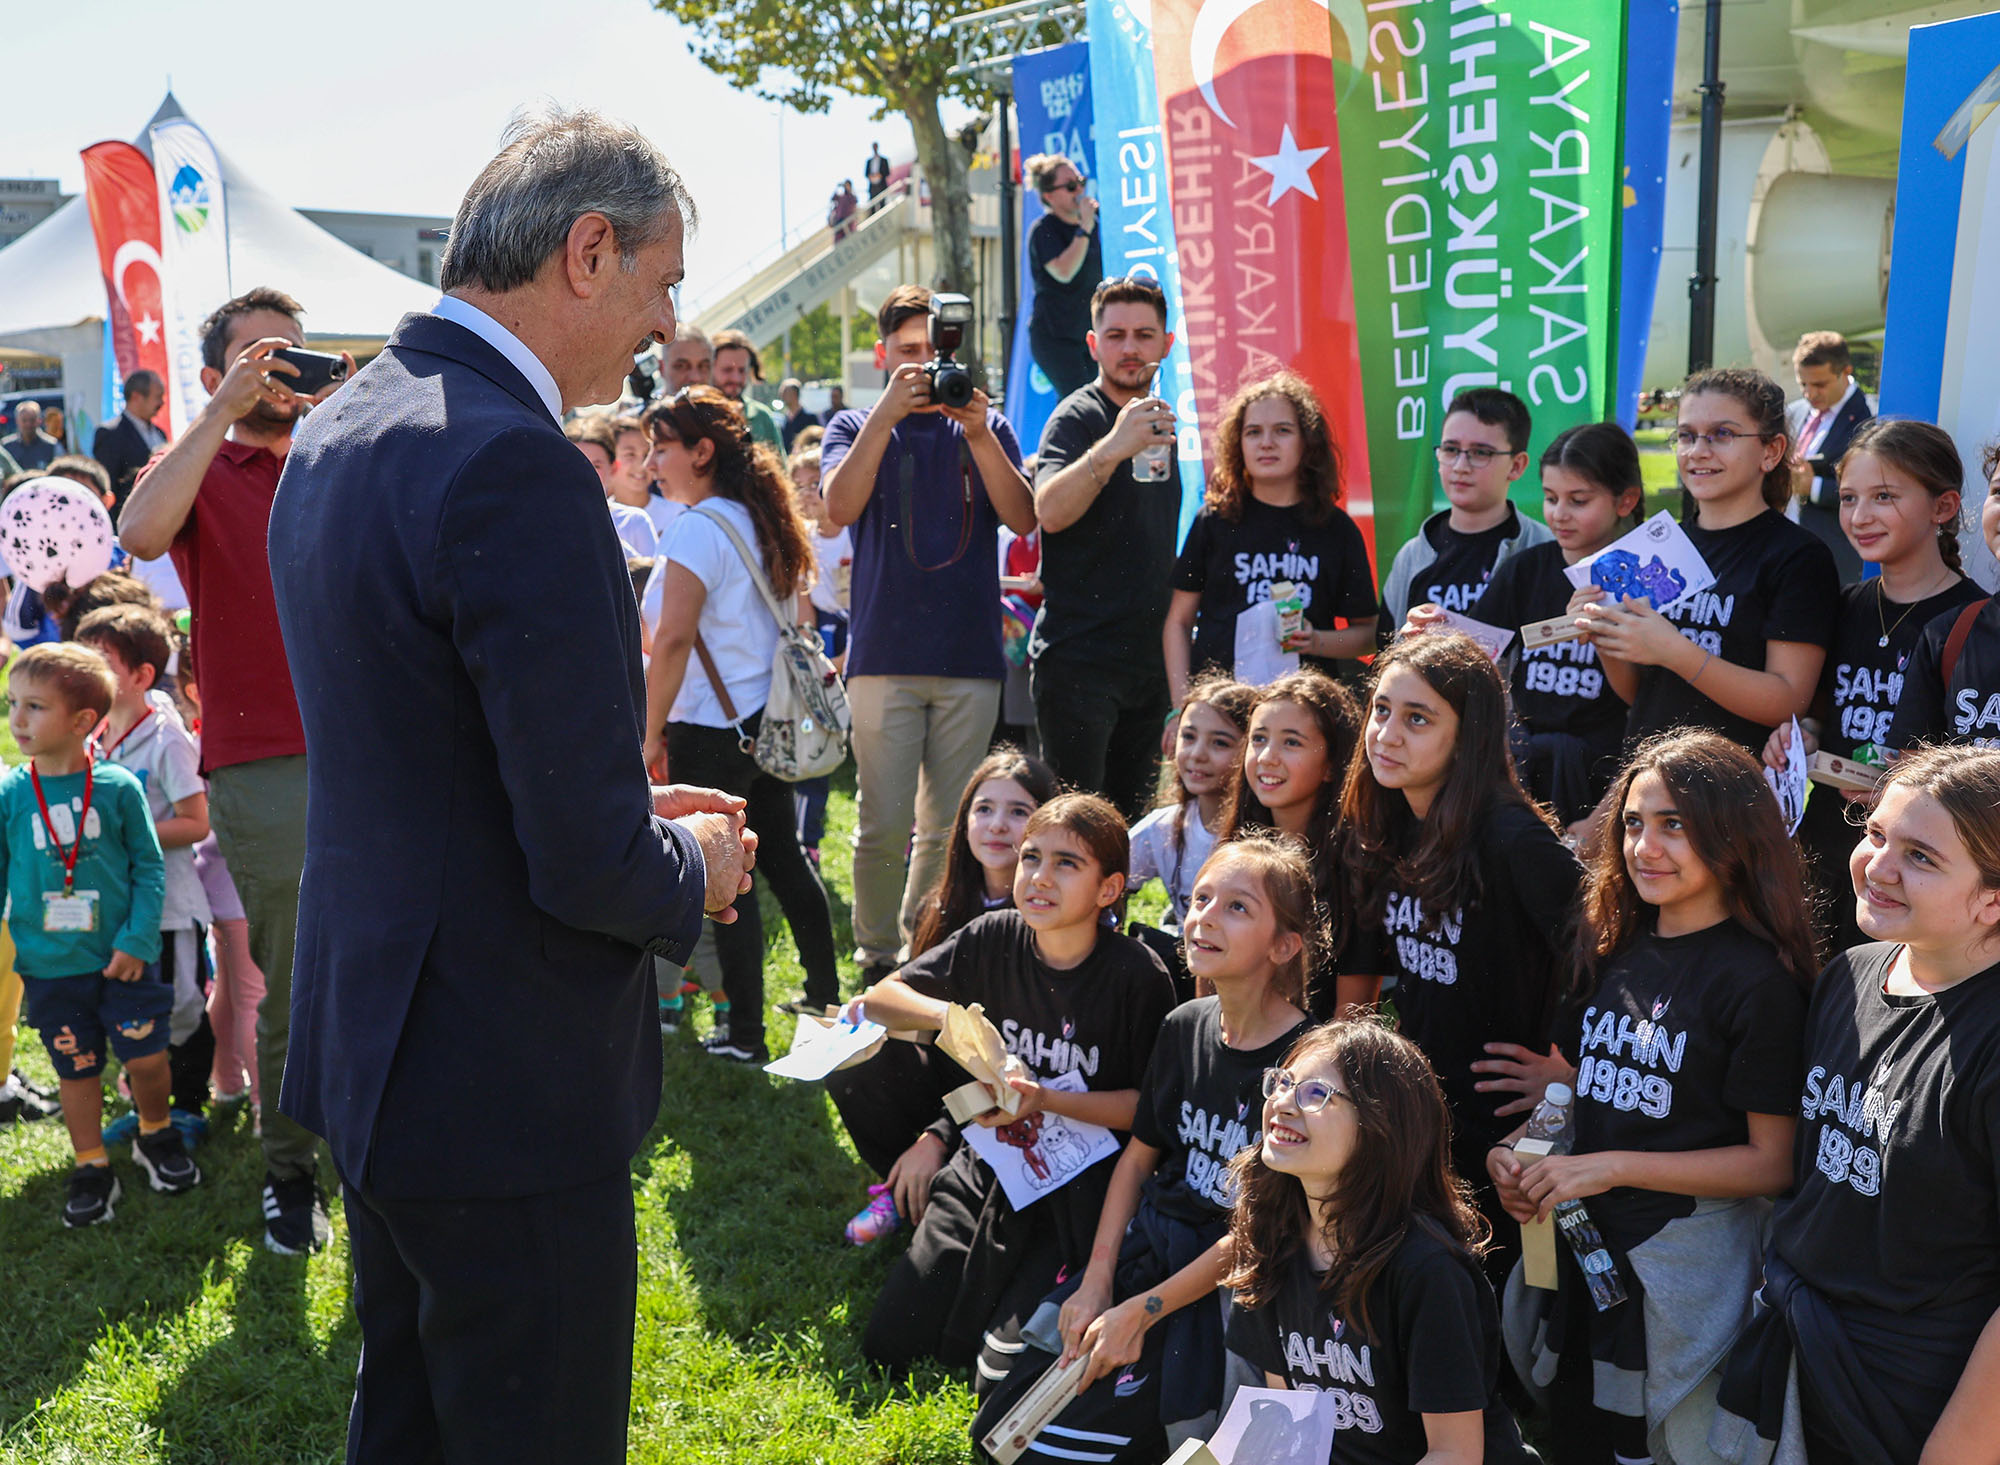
[318, 370]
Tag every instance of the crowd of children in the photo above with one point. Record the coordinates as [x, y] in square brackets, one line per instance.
[1555, 879]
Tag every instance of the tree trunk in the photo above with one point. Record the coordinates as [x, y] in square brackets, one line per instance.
[943, 162]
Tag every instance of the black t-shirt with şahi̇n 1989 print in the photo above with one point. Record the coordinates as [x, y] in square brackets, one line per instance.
[1232, 567]
[1487, 973]
[1966, 711]
[1202, 1101]
[1684, 1037]
[1098, 1019]
[1773, 582]
[1557, 688]
[1432, 1347]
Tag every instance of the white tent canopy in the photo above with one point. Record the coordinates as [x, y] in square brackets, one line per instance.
[52, 291]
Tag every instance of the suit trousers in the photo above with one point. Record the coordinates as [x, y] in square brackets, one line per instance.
[494, 1330]
[916, 742]
[260, 825]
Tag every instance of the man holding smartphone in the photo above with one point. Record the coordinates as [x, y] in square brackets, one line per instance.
[1067, 260]
[207, 501]
[1109, 519]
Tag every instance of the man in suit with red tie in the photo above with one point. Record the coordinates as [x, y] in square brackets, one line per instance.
[1831, 407]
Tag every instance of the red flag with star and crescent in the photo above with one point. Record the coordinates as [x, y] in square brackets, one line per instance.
[124, 202]
[1247, 97]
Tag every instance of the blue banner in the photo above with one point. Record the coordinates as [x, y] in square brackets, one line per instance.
[1052, 108]
[1135, 218]
[1651, 29]
[1944, 266]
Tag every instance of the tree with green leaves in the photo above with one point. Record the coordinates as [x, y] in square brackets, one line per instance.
[894, 51]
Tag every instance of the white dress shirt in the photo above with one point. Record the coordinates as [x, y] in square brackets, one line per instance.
[489, 330]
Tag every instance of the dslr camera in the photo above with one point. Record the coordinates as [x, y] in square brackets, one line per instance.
[951, 383]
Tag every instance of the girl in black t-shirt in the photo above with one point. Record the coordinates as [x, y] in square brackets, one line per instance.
[1744, 655]
[1899, 501]
[1952, 691]
[1569, 724]
[891, 1104]
[1157, 1356]
[1882, 1289]
[1695, 955]
[1303, 733]
[1354, 1257]
[1072, 999]
[1272, 515]
[1460, 889]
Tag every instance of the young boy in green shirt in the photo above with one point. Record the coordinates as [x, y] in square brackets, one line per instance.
[82, 866]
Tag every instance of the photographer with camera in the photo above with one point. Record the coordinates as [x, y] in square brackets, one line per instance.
[1107, 494]
[926, 477]
[207, 500]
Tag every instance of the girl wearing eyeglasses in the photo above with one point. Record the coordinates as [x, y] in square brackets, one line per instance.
[1458, 889]
[1156, 1357]
[1355, 1257]
[1744, 655]
[1695, 955]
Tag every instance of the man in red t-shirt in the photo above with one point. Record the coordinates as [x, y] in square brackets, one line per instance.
[207, 500]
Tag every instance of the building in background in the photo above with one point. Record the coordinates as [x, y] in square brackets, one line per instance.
[410, 244]
[25, 202]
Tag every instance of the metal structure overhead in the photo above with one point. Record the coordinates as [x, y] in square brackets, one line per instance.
[987, 41]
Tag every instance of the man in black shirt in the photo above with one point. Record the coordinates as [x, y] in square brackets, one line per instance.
[876, 172]
[1067, 260]
[1099, 674]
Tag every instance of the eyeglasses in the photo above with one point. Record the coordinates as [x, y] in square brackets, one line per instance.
[1722, 439]
[1478, 454]
[1310, 1095]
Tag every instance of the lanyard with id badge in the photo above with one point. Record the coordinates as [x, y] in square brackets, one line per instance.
[73, 910]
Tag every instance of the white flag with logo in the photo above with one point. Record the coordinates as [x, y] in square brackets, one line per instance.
[194, 251]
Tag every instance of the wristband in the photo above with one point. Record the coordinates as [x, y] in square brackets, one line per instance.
[1706, 658]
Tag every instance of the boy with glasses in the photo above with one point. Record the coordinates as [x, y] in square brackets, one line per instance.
[1447, 563]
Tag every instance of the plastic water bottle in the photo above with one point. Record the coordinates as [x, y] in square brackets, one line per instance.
[875, 1220]
[1551, 1122]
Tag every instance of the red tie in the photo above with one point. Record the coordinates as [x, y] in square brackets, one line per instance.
[1811, 429]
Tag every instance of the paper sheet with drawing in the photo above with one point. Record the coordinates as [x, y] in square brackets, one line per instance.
[1040, 1153]
[1656, 563]
[1789, 783]
[1264, 1425]
[818, 1050]
[1258, 659]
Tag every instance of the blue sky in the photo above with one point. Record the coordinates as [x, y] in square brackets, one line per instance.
[393, 107]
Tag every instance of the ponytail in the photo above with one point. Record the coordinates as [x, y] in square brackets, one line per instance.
[1923, 452]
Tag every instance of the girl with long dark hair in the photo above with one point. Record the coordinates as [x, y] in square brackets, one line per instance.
[1354, 1256]
[1694, 955]
[1899, 500]
[701, 718]
[1881, 1295]
[1951, 692]
[1459, 888]
[1744, 655]
[1145, 1307]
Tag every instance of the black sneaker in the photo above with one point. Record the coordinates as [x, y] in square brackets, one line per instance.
[93, 1191]
[169, 1168]
[670, 1017]
[295, 1221]
[735, 1052]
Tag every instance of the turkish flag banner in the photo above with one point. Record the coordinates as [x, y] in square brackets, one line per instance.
[125, 216]
[1260, 220]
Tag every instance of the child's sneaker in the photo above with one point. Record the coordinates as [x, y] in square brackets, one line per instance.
[169, 1168]
[875, 1220]
[722, 1046]
[295, 1222]
[190, 1126]
[93, 1191]
[21, 1101]
[672, 1009]
[124, 1129]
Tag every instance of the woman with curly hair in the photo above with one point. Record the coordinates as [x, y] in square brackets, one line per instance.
[1272, 515]
[1354, 1256]
[701, 718]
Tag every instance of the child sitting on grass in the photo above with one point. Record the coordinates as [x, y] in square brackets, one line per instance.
[80, 861]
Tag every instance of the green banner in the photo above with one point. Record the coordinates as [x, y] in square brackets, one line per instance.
[1479, 141]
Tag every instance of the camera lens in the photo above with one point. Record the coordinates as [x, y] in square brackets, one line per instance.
[951, 385]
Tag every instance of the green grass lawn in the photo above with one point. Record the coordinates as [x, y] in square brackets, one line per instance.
[171, 1335]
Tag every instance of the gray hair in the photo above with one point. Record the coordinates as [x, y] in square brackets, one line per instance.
[554, 167]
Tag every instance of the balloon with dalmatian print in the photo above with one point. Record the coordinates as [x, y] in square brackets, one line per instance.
[54, 529]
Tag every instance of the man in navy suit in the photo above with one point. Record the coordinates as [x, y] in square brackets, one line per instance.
[1830, 409]
[487, 877]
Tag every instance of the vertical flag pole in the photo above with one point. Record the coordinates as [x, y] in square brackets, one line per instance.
[1701, 284]
[1010, 283]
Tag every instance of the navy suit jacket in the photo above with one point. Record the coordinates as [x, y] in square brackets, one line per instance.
[473, 1001]
[1846, 422]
